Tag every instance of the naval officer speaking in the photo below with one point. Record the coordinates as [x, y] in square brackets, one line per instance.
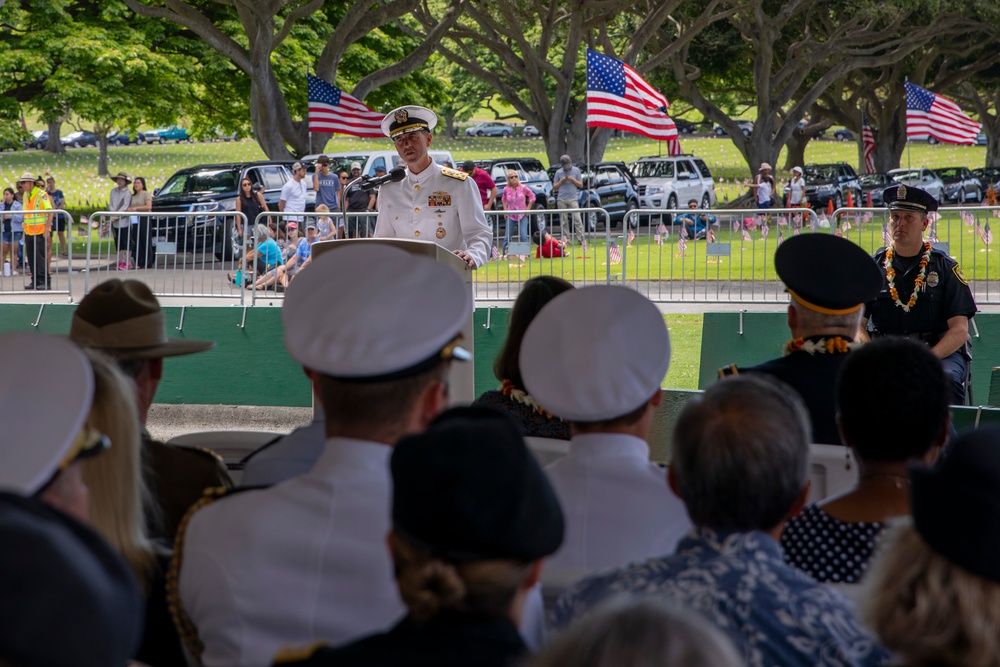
[431, 202]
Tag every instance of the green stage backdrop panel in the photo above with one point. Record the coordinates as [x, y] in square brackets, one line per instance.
[55, 317]
[722, 344]
[488, 344]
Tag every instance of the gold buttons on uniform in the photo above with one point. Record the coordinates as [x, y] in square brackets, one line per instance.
[416, 187]
[416, 233]
[417, 210]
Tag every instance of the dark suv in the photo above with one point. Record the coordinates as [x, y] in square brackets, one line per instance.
[212, 189]
[530, 171]
[831, 182]
[607, 185]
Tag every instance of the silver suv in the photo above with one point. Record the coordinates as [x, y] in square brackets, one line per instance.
[672, 181]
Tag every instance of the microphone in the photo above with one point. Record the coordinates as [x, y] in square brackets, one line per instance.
[397, 174]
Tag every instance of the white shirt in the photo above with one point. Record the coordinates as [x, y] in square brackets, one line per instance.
[440, 205]
[290, 456]
[293, 193]
[797, 190]
[300, 561]
[617, 504]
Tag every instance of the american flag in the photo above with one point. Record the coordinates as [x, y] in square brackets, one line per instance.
[682, 244]
[332, 110]
[746, 236]
[618, 97]
[968, 218]
[936, 116]
[684, 231]
[868, 140]
[986, 233]
[838, 233]
[495, 254]
[614, 253]
[631, 237]
[661, 229]
[710, 236]
[764, 229]
[886, 238]
[781, 237]
[657, 239]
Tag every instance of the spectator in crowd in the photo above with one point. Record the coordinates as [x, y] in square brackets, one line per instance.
[696, 223]
[796, 192]
[59, 220]
[834, 540]
[567, 183]
[621, 508]
[13, 231]
[293, 194]
[380, 374]
[516, 197]
[120, 200]
[548, 247]
[512, 397]
[358, 201]
[121, 504]
[473, 516]
[640, 633]
[297, 256]
[142, 202]
[264, 257]
[123, 319]
[37, 230]
[487, 187]
[250, 203]
[763, 186]
[933, 595]
[325, 230]
[828, 279]
[327, 185]
[741, 452]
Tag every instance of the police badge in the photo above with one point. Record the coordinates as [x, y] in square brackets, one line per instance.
[933, 279]
[901, 192]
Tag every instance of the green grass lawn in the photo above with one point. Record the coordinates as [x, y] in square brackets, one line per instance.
[685, 351]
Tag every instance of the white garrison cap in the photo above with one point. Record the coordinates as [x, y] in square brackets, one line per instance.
[46, 388]
[408, 119]
[595, 353]
[373, 313]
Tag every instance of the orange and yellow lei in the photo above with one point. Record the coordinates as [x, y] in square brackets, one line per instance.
[890, 274]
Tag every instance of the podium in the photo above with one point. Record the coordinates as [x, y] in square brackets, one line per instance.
[461, 378]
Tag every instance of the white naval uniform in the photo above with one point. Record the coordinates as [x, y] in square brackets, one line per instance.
[433, 206]
[617, 503]
[290, 456]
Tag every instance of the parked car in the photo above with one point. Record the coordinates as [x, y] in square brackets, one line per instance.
[38, 140]
[831, 182]
[988, 176]
[530, 172]
[126, 138]
[981, 139]
[607, 185]
[164, 134]
[922, 178]
[876, 185]
[490, 129]
[746, 126]
[843, 134]
[371, 160]
[672, 181]
[212, 189]
[79, 139]
[685, 126]
[960, 185]
[531, 131]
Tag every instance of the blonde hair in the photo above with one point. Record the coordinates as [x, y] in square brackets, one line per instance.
[120, 501]
[322, 208]
[430, 585]
[930, 610]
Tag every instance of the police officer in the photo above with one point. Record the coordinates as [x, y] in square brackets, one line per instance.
[829, 279]
[924, 294]
[432, 203]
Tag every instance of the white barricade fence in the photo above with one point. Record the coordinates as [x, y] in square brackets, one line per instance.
[16, 267]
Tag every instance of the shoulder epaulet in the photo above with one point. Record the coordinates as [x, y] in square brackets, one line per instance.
[185, 627]
[727, 371]
[454, 173]
[290, 655]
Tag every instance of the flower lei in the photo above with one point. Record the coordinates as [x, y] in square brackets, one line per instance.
[890, 274]
[833, 345]
[508, 389]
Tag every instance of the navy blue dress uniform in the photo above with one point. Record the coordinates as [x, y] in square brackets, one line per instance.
[831, 276]
[944, 294]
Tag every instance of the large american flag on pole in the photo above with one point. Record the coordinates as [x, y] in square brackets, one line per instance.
[617, 97]
[930, 115]
[868, 141]
[332, 110]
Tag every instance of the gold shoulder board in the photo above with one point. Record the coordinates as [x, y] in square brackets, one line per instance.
[454, 173]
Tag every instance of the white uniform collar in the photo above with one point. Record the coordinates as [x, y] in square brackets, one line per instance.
[425, 175]
[593, 445]
[338, 452]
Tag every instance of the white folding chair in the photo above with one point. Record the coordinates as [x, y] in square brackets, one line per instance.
[832, 470]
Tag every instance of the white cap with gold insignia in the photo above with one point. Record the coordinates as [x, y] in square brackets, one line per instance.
[408, 119]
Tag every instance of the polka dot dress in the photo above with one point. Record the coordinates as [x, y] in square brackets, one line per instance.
[829, 550]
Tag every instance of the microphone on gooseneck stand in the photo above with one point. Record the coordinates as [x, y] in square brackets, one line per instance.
[396, 174]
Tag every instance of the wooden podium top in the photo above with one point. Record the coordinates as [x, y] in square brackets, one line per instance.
[413, 246]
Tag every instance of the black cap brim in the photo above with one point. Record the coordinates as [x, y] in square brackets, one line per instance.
[826, 273]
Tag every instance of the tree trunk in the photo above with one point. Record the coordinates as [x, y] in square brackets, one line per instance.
[264, 96]
[991, 126]
[796, 153]
[53, 144]
[102, 154]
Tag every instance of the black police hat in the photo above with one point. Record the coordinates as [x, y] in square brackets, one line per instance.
[468, 488]
[956, 504]
[906, 198]
[826, 273]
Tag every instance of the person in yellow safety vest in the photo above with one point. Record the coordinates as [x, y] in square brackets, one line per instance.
[36, 231]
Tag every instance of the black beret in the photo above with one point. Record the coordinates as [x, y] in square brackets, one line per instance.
[956, 504]
[67, 597]
[827, 273]
[468, 488]
[907, 198]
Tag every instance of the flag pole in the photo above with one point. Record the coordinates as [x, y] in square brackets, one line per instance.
[906, 80]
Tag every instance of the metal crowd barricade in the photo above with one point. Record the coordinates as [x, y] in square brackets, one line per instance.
[14, 274]
[174, 253]
[512, 264]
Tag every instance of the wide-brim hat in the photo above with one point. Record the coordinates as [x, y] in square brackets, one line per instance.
[764, 166]
[123, 319]
[797, 170]
[408, 119]
[906, 198]
[121, 174]
[27, 177]
[826, 273]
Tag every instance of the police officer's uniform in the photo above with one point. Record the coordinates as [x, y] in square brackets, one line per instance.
[439, 204]
[945, 294]
[832, 276]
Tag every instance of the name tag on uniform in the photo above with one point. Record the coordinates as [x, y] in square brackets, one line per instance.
[439, 199]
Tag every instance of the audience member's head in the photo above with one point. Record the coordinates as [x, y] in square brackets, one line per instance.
[596, 356]
[640, 633]
[379, 371]
[933, 595]
[741, 453]
[122, 319]
[892, 376]
[472, 516]
[536, 292]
